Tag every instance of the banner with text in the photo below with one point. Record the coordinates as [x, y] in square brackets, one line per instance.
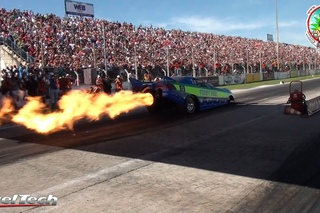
[253, 77]
[280, 75]
[79, 8]
[268, 76]
[303, 73]
[231, 79]
[293, 73]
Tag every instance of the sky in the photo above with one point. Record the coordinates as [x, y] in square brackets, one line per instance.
[246, 18]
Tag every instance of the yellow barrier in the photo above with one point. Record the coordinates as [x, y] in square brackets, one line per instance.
[253, 77]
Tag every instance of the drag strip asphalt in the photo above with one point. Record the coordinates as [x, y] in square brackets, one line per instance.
[246, 157]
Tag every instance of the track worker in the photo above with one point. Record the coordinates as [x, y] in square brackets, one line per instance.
[99, 85]
[53, 91]
[118, 83]
[107, 87]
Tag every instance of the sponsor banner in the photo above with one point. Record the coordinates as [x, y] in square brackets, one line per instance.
[214, 80]
[303, 73]
[233, 79]
[252, 77]
[312, 72]
[280, 75]
[313, 105]
[268, 76]
[293, 73]
[79, 8]
[269, 37]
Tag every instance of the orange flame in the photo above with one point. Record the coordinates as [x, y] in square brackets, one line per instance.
[6, 110]
[74, 106]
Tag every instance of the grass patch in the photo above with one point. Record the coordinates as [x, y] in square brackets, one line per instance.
[269, 82]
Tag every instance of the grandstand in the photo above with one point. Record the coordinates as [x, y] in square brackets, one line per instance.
[75, 43]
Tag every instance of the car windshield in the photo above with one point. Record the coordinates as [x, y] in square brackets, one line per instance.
[202, 83]
[209, 85]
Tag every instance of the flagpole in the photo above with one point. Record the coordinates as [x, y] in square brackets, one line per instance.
[277, 32]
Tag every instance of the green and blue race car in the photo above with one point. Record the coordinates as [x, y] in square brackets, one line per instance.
[187, 93]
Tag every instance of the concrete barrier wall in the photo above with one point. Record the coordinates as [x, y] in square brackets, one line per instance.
[221, 80]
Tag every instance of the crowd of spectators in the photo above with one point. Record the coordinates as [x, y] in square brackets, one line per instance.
[75, 43]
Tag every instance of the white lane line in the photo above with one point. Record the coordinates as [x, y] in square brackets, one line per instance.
[135, 164]
[128, 165]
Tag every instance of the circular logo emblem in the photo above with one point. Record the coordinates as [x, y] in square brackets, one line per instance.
[228, 79]
[237, 79]
[313, 25]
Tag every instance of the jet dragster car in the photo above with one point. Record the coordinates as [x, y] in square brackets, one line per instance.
[186, 93]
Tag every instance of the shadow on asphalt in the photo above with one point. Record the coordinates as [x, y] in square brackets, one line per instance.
[233, 155]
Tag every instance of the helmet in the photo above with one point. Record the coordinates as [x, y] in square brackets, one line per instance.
[118, 76]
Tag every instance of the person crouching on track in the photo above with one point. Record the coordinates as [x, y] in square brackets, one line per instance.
[53, 91]
[118, 83]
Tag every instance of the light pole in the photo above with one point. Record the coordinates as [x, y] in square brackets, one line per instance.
[277, 32]
[94, 55]
[135, 59]
[260, 59]
[193, 69]
[42, 55]
[168, 69]
[214, 59]
[104, 50]
[247, 71]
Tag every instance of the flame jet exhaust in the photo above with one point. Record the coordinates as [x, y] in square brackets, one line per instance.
[74, 106]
